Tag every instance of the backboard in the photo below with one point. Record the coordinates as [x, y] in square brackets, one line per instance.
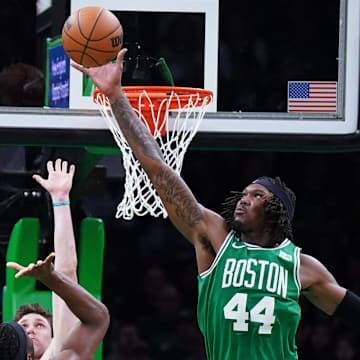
[150, 16]
[251, 55]
[325, 39]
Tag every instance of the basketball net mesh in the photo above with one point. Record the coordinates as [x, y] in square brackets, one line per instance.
[140, 197]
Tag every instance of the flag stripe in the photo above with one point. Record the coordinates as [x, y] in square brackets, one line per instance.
[319, 106]
[322, 88]
[323, 97]
[321, 92]
[320, 83]
[311, 110]
[315, 101]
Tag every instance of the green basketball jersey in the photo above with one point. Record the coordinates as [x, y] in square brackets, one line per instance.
[248, 302]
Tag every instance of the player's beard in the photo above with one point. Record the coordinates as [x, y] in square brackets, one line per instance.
[237, 226]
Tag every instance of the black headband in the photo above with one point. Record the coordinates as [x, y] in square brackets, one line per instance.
[22, 352]
[278, 192]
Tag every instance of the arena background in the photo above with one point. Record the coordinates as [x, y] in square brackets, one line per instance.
[150, 273]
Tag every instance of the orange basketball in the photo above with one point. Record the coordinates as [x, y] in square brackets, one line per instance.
[92, 36]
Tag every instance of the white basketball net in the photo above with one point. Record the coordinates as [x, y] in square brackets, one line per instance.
[140, 197]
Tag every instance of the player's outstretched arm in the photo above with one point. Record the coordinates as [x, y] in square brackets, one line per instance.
[58, 184]
[194, 221]
[85, 336]
[321, 288]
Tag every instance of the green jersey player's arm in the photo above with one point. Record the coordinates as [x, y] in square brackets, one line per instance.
[320, 287]
[205, 229]
[92, 316]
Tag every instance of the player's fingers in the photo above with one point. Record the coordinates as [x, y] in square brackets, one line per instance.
[50, 257]
[120, 55]
[58, 165]
[50, 166]
[64, 166]
[79, 67]
[38, 179]
[23, 272]
[19, 274]
[14, 265]
[72, 169]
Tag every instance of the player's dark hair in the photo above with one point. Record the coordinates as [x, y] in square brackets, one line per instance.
[34, 308]
[9, 342]
[276, 215]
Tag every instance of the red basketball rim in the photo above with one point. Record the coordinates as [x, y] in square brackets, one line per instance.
[158, 93]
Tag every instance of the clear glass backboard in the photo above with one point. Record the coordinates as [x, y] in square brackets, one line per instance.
[275, 68]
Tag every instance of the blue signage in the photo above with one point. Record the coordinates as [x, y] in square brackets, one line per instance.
[59, 70]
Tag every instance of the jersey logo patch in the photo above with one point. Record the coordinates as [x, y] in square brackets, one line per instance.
[285, 256]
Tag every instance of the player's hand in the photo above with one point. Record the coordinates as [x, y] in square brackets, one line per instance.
[39, 271]
[106, 77]
[59, 181]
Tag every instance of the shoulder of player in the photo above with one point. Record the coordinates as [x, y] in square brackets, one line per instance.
[312, 271]
[208, 238]
[310, 264]
[213, 229]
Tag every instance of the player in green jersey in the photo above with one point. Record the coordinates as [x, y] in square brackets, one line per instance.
[250, 273]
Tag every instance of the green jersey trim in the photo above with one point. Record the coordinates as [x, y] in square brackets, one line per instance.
[297, 269]
[257, 247]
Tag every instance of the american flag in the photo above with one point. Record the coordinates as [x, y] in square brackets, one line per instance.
[312, 96]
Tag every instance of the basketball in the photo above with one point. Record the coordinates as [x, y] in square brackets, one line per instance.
[92, 36]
